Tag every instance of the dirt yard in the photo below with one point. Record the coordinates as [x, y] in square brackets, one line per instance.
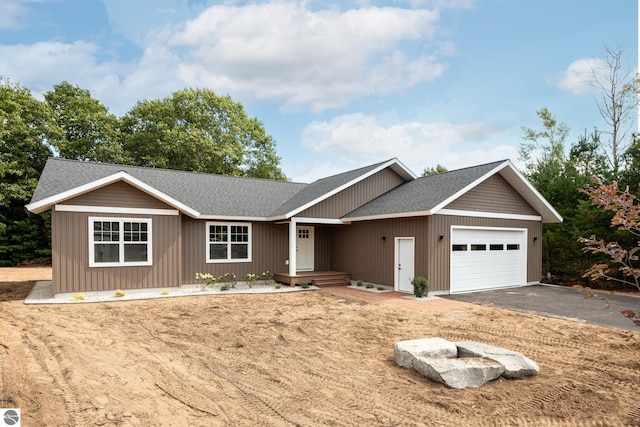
[308, 358]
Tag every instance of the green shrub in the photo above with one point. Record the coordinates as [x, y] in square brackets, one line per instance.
[359, 283]
[369, 286]
[278, 285]
[420, 286]
[304, 285]
[381, 288]
[224, 287]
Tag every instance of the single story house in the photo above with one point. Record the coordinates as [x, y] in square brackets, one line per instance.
[123, 227]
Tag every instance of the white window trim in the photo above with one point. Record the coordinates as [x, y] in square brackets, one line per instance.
[228, 225]
[121, 263]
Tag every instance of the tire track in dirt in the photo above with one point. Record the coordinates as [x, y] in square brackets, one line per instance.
[258, 409]
[255, 393]
[634, 416]
[406, 405]
[545, 340]
[198, 388]
[52, 362]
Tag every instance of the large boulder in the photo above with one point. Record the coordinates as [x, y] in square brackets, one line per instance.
[458, 373]
[516, 365]
[405, 352]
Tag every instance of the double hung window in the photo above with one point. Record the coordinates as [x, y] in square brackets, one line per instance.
[228, 242]
[119, 242]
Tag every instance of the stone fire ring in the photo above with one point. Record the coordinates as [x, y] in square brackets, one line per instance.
[462, 364]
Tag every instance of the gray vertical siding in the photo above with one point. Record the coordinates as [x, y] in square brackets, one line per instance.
[358, 248]
[355, 196]
[70, 256]
[439, 251]
[269, 247]
[493, 195]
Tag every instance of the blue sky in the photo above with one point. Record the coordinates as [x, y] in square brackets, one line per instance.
[337, 84]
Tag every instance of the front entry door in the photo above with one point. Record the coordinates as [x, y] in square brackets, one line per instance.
[304, 248]
[405, 257]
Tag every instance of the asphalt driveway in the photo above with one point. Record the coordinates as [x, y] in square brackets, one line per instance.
[557, 301]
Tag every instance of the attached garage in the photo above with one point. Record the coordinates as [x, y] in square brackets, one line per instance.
[487, 258]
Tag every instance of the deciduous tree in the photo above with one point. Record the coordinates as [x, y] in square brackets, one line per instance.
[617, 103]
[90, 131]
[432, 171]
[26, 128]
[198, 130]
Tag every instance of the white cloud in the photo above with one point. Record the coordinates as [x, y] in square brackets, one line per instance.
[360, 138]
[323, 58]
[282, 51]
[40, 65]
[117, 85]
[12, 14]
[579, 76]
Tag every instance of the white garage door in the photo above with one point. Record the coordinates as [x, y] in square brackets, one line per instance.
[487, 258]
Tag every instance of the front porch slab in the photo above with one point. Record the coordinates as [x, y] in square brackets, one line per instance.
[317, 278]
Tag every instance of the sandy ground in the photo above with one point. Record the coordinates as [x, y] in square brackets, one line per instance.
[311, 358]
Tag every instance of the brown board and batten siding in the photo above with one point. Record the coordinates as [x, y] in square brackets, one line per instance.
[355, 196]
[70, 244]
[269, 251]
[322, 247]
[359, 248]
[119, 194]
[495, 194]
[439, 252]
[70, 258]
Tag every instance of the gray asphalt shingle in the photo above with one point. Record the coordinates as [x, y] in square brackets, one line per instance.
[219, 195]
[422, 194]
[209, 194]
[321, 187]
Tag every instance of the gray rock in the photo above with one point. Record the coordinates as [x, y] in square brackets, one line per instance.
[458, 373]
[404, 352]
[516, 365]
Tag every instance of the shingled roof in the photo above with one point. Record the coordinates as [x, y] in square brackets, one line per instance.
[206, 196]
[198, 194]
[423, 194]
[428, 195]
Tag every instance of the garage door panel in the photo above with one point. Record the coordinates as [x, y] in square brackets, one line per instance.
[487, 269]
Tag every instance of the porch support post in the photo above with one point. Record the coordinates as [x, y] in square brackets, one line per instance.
[292, 248]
